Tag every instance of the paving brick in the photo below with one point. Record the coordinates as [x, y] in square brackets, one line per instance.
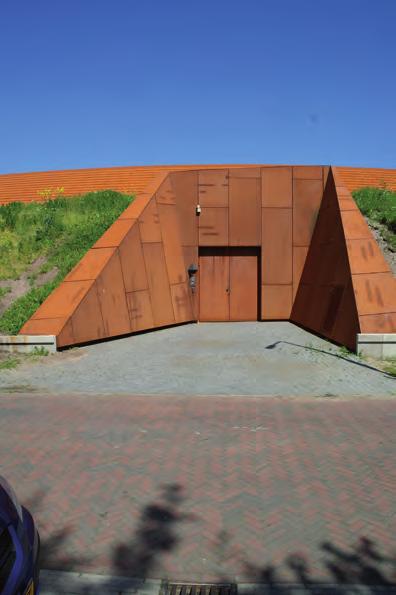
[207, 488]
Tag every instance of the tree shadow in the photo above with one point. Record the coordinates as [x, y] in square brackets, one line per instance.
[155, 534]
[132, 561]
[343, 570]
[52, 547]
[362, 564]
[336, 355]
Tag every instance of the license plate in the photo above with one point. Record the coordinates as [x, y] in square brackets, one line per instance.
[30, 589]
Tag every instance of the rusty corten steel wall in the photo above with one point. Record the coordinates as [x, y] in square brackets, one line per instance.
[373, 282]
[346, 286]
[135, 276]
[132, 279]
[274, 208]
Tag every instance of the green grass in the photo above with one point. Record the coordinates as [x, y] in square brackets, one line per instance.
[344, 351]
[4, 291]
[61, 230]
[390, 366]
[9, 363]
[379, 205]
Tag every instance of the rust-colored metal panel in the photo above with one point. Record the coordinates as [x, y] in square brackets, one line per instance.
[91, 264]
[324, 301]
[44, 326]
[244, 212]
[135, 209]
[111, 292]
[276, 187]
[185, 186]
[307, 196]
[213, 188]
[355, 226]
[87, 321]
[326, 170]
[213, 226]
[378, 323]
[161, 301]
[310, 172]
[346, 203]
[115, 234]
[140, 311]
[345, 319]
[165, 194]
[149, 223]
[244, 285]
[245, 172]
[214, 283]
[375, 293]
[132, 261]
[343, 192]
[301, 310]
[190, 256]
[63, 300]
[276, 302]
[181, 301]
[365, 256]
[171, 240]
[277, 250]
[66, 336]
[299, 257]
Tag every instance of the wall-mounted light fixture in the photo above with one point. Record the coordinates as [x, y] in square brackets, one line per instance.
[192, 276]
[198, 210]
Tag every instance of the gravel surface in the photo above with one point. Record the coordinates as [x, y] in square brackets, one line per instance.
[272, 358]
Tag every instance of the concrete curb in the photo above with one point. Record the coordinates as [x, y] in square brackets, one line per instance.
[53, 582]
[27, 343]
[376, 345]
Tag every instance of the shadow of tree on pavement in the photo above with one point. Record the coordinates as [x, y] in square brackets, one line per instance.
[154, 535]
[140, 558]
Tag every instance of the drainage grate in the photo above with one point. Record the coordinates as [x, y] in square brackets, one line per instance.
[198, 589]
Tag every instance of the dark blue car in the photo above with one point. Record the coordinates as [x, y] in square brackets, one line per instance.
[19, 546]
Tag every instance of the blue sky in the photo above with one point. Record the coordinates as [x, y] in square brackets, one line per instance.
[95, 83]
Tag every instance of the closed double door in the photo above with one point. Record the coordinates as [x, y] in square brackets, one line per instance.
[228, 284]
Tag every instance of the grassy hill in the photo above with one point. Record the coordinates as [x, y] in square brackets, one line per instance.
[379, 207]
[40, 242]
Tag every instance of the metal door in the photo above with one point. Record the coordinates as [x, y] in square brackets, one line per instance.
[243, 294]
[214, 280]
[228, 284]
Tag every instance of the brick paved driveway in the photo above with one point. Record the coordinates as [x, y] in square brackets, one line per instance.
[206, 488]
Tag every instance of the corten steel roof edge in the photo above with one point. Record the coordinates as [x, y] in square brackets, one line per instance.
[360, 177]
[39, 186]
[373, 282]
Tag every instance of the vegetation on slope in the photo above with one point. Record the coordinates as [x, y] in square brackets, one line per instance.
[379, 206]
[54, 235]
